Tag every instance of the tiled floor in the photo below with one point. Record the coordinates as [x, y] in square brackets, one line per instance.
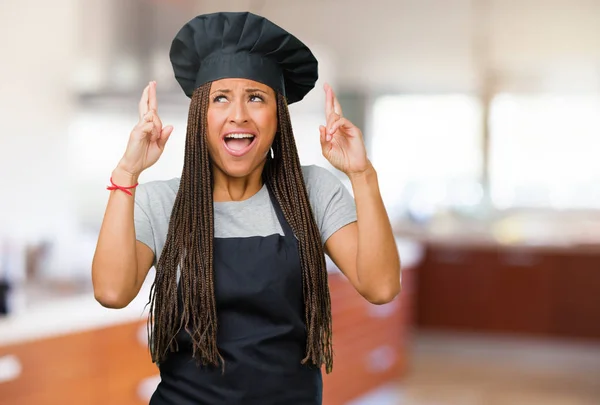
[473, 370]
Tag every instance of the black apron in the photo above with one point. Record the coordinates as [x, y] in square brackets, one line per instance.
[261, 331]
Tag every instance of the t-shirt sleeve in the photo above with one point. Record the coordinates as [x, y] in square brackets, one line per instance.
[141, 218]
[331, 202]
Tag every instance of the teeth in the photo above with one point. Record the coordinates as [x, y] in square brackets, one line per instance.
[240, 136]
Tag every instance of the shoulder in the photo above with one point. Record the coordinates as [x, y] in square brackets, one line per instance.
[161, 186]
[154, 202]
[322, 184]
[316, 177]
[331, 202]
[157, 188]
[157, 194]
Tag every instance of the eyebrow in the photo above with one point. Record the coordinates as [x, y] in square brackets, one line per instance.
[250, 90]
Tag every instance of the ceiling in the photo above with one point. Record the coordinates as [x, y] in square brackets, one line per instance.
[380, 46]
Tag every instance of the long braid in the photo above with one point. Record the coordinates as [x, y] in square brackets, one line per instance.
[189, 245]
[189, 249]
[283, 175]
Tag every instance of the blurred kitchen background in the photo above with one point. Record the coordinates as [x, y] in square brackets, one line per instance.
[482, 118]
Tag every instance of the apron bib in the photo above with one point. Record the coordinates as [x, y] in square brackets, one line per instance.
[261, 330]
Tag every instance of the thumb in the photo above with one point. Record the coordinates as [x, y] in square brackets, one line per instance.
[164, 136]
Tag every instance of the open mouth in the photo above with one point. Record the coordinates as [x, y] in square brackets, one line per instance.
[238, 143]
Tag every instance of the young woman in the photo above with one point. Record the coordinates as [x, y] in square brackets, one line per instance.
[240, 306]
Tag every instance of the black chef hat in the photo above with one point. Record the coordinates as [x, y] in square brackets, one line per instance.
[246, 46]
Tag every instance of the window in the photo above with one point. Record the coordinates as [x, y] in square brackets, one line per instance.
[544, 151]
[98, 140]
[427, 150]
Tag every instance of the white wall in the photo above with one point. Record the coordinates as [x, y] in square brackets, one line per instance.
[37, 49]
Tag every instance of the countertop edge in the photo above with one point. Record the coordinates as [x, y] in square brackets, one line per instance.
[83, 313]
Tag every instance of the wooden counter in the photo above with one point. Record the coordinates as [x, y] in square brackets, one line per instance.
[104, 366]
[370, 341]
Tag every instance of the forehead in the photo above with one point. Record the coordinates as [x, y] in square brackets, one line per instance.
[239, 84]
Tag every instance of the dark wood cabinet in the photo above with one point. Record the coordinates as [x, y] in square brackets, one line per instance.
[454, 289]
[518, 290]
[576, 297]
[521, 292]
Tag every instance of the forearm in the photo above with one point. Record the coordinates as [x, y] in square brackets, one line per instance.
[377, 261]
[114, 267]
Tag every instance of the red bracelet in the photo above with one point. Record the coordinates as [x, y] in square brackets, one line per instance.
[123, 189]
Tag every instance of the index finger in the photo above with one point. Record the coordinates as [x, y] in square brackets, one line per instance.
[329, 106]
[337, 108]
[152, 102]
[143, 105]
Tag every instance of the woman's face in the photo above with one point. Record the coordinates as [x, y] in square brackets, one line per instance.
[242, 122]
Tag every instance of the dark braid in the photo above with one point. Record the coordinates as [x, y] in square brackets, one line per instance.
[189, 244]
[283, 175]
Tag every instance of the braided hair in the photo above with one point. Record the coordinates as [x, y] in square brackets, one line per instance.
[188, 250]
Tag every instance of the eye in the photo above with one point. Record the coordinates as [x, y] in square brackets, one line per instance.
[256, 97]
[220, 99]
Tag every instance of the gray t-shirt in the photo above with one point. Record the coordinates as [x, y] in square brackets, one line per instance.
[331, 203]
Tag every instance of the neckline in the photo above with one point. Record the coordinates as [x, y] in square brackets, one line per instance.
[259, 194]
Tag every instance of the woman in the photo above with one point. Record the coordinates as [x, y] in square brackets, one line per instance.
[240, 303]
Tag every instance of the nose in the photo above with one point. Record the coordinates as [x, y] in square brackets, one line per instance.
[239, 112]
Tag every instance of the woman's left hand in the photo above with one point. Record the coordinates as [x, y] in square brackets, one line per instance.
[341, 141]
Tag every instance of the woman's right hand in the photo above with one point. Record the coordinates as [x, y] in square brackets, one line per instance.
[147, 139]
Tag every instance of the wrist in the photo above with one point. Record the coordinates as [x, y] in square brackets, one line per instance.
[124, 178]
[364, 174]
